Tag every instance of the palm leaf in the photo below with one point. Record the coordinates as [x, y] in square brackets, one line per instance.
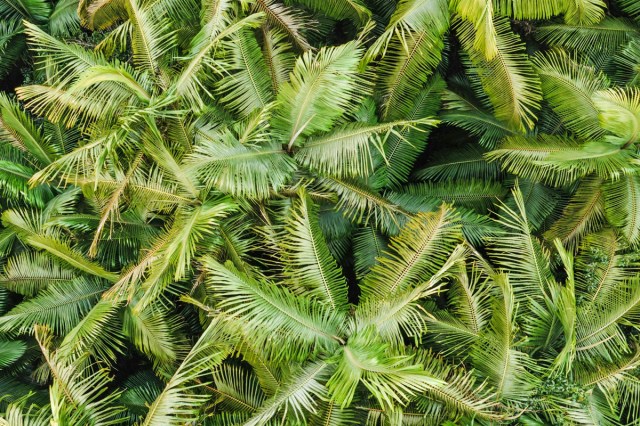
[568, 86]
[309, 262]
[418, 252]
[508, 79]
[60, 307]
[322, 87]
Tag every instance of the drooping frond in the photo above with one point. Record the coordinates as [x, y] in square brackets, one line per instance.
[560, 160]
[177, 403]
[405, 70]
[417, 253]
[626, 65]
[273, 310]
[389, 377]
[521, 253]
[401, 315]
[531, 9]
[607, 35]
[568, 87]
[153, 331]
[322, 88]
[346, 152]
[12, 45]
[598, 335]
[278, 57]
[508, 79]
[583, 214]
[59, 306]
[309, 263]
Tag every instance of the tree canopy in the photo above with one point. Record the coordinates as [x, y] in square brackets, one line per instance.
[319, 212]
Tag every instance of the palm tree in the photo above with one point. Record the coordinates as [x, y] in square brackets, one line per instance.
[227, 213]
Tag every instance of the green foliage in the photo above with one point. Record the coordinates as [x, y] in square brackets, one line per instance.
[319, 212]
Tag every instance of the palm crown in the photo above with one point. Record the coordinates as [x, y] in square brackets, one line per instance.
[225, 212]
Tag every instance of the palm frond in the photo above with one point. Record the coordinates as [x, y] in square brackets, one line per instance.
[568, 87]
[309, 262]
[505, 368]
[619, 113]
[609, 34]
[19, 130]
[475, 119]
[175, 248]
[273, 309]
[471, 194]
[177, 404]
[79, 393]
[521, 253]
[368, 245]
[584, 12]
[59, 306]
[64, 18]
[300, 394]
[287, 20]
[560, 160]
[98, 333]
[621, 206]
[401, 148]
[346, 151]
[583, 214]
[418, 252]
[508, 79]
[241, 161]
[278, 57]
[153, 331]
[33, 10]
[364, 205]
[390, 378]
[189, 83]
[323, 86]
[28, 273]
[481, 15]
[409, 18]
[353, 9]
[247, 86]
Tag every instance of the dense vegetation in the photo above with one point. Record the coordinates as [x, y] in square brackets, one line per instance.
[323, 212]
